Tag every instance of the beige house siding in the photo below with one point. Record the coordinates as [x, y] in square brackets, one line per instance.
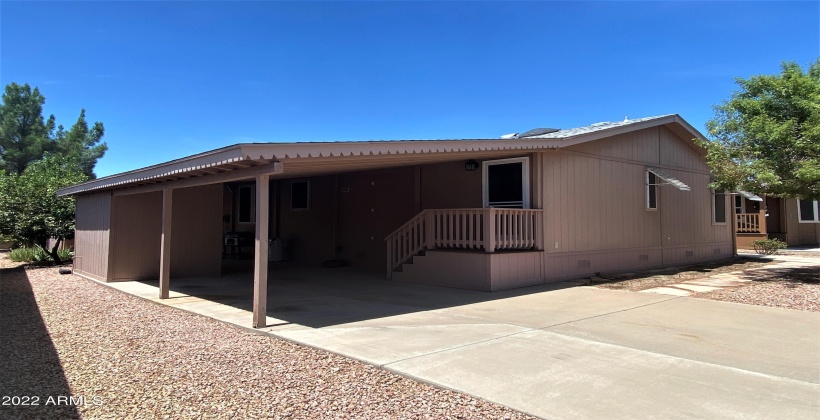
[797, 233]
[595, 216]
[92, 235]
[308, 234]
[463, 188]
[474, 270]
[196, 235]
[679, 152]
[135, 236]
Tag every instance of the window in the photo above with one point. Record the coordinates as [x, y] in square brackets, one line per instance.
[247, 204]
[506, 183]
[740, 205]
[299, 195]
[718, 207]
[807, 211]
[651, 191]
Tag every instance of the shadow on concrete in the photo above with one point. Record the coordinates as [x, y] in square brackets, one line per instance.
[30, 364]
[319, 297]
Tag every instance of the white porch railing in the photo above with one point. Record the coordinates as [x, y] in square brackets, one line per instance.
[465, 229]
[751, 222]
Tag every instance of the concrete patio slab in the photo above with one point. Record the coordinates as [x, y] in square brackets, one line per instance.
[552, 350]
[719, 282]
[760, 339]
[695, 287]
[386, 340]
[671, 291]
[536, 310]
[555, 376]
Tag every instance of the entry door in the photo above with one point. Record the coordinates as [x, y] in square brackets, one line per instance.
[506, 183]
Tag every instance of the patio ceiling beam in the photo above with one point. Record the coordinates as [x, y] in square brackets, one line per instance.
[260, 266]
[222, 177]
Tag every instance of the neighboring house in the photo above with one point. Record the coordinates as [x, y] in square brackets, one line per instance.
[482, 214]
[796, 222]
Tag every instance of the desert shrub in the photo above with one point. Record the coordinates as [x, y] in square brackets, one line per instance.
[66, 254]
[768, 246]
[29, 254]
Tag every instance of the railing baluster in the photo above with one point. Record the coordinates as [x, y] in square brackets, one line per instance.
[491, 229]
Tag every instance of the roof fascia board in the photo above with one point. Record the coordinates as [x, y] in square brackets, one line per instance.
[236, 175]
[203, 160]
[376, 148]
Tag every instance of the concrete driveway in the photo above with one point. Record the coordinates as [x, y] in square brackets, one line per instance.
[551, 351]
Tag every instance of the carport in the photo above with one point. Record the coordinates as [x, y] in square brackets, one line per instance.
[166, 221]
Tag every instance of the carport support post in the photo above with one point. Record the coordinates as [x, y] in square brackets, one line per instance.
[260, 267]
[165, 246]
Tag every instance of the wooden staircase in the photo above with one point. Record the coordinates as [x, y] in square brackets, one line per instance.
[750, 227]
[476, 230]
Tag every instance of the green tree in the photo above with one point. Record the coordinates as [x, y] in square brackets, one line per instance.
[81, 144]
[30, 211]
[24, 134]
[766, 136]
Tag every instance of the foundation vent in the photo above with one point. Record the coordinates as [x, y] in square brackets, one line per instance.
[717, 251]
[690, 254]
[583, 263]
[643, 257]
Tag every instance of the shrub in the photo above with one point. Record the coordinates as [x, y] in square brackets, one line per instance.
[768, 246]
[37, 254]
[66, 254]
[29, 254]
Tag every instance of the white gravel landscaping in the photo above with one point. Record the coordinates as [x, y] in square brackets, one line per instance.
[130, 358]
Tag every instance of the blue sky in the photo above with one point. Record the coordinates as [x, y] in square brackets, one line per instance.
[171, 79]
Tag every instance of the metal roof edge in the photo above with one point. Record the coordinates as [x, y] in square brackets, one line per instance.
[271, 151]
[198, 161]
[626, 128]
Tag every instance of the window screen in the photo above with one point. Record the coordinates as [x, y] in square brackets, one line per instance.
[719, 207]
[651, 190]
[505, 187]
[808, 210]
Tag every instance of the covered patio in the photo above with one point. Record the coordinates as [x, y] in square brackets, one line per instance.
[307, 297]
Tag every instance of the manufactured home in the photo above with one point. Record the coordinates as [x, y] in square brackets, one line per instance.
[795, 222]
[484, 214]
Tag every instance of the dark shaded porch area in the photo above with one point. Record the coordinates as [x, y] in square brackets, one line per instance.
[312, 296]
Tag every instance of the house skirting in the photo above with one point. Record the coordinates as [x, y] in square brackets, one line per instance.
[509, 270]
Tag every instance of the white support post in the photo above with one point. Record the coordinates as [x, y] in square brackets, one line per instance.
[260, 267]
[165, 245]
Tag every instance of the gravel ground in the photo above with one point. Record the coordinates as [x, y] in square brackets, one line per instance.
[657, 278]
[795, 253]
[790, 289]
[63, 335]
[780, 288]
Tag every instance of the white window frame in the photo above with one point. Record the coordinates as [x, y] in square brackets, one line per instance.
[525, 179]
[308, 195]
[742, 204]
[239, 204]
[816, 212]
[714, 209]
[657, 190]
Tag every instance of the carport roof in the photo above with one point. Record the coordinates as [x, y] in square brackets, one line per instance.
[329, 156]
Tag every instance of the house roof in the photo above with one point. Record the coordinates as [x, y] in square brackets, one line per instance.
[572, 132]
[307, 158]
